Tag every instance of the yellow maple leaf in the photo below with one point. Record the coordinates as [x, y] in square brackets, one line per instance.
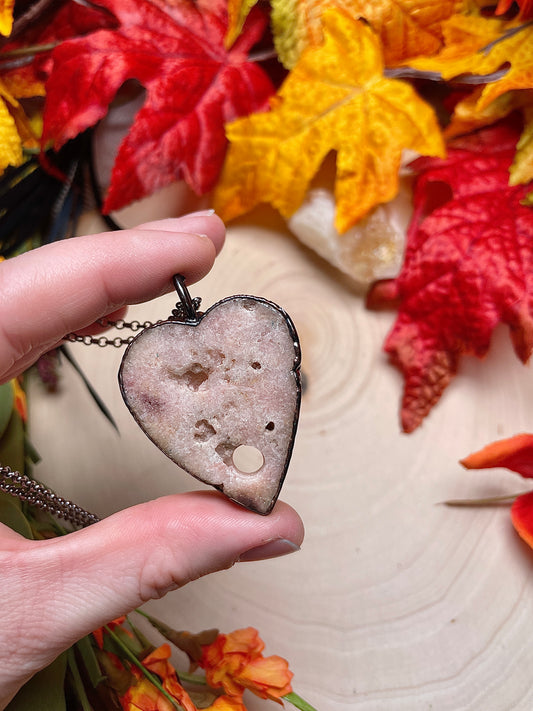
[464, 36]
[486, 46]
[6, 16]
[521, 170]
[406, 28]
[10, 140]
[468, 117]
[335, 99]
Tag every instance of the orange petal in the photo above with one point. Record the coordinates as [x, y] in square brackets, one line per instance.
[515, 453]
[157, 661]
[245, 641]
[227, 703]
[522, 517]
[269, 678]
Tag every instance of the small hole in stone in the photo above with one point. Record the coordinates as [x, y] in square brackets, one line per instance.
[203, 430]
[193, 377]
[270, 426]
[247, 459]
[256, 365]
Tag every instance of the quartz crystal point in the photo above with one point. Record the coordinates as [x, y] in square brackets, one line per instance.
[208, 392]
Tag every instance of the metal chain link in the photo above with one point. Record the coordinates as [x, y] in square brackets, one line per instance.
[103, 341]
[26, 489]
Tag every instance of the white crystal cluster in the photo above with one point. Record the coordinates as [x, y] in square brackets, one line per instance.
[372, 249]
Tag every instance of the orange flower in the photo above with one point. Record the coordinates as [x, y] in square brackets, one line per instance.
[144, 696]
[99, 633]
[20, 400]
[234, 661]
[268, 677]
[227, 703]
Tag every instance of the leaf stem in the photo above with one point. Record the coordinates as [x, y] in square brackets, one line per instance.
[27, 51]
[262, 56]
[508, 33]
[133, 659]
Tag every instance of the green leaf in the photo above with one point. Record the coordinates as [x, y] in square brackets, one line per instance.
[7, 397]
[12, 444]
[90, 662]
[11, 515]
[97, 399]
[45, 691]
[77, 680]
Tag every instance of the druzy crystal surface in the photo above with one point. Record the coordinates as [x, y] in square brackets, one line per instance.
[208, 394]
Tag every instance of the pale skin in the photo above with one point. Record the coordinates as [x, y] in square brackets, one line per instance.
[54, 592]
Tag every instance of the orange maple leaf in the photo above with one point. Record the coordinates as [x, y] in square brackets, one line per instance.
[406, 28]
[335, 99]
[487, 45]
[468, 117]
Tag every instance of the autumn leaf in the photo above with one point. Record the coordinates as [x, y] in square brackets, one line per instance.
[522, 166]
[486, 46]
[193, 86]
[335, 99]
[10, 138]
[6, 16]
[63, 21]
[526, 7]
[405, 29]
[466, 116]
[238, 11]
[468, 266]
[514, 453]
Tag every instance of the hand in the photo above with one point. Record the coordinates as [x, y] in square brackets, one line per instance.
[56, 591]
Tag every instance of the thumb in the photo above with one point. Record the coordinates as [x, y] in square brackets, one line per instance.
[77, 583]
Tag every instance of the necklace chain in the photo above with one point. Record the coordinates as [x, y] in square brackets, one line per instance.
[36, 494]
[103, 341]
[178, 314]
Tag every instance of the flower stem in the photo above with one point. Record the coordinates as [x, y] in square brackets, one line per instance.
[488, 501]
[133, 659]
[192, 678]
[297, 701]
[78, 683]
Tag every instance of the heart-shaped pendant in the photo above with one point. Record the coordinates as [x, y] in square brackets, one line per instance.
[209, 389]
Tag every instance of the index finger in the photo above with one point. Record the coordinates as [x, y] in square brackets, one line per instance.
[66, 286]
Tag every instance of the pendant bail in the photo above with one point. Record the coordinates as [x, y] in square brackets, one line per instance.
[187, 308]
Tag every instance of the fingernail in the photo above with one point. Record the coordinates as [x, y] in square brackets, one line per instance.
[271, 549]
[200, 213]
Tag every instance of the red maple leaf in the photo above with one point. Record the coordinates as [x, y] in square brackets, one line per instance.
[468, 266]
[194, 85]
[57, 22]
